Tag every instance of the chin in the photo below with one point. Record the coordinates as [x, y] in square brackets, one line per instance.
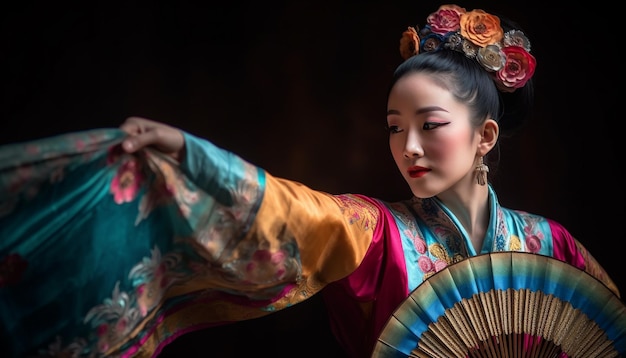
[423, 193]
[424, 188]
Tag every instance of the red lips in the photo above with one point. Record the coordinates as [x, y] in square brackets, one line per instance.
[417, 171]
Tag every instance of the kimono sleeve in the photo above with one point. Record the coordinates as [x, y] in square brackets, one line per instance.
[280, 240]
[569, 249]
[105, 253]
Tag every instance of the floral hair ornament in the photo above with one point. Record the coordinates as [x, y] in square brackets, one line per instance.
[479, 36]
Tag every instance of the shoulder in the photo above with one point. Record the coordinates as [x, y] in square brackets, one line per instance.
[527, 219]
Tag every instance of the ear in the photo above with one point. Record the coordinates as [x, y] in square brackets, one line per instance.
[489, 132]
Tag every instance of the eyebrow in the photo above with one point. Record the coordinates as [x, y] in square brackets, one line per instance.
[420, 110]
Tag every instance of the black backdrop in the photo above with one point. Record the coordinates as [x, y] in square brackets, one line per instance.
[299, 88]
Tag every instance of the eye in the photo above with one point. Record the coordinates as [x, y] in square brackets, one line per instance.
[432, 125]
[393, 129]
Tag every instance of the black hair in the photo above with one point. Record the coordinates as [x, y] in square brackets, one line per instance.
[473, 85]
[470, 83]
[463, 77]
[516, 106]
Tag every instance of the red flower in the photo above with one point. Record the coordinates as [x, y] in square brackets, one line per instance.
[518, 68]
[12, 268]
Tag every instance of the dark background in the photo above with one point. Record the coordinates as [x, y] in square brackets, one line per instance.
[299, 88]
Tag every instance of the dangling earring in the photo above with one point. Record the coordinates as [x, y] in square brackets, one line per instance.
[481, 172]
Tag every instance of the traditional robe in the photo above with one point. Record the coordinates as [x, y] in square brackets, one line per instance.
[108, 253]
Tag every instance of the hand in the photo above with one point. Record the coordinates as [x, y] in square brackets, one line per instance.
[144, 132]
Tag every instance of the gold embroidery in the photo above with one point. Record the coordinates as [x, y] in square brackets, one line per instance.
[515, 244]
[357, 211]
[440, 252]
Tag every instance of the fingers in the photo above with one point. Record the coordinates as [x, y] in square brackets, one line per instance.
[139, 133]
[133, 125]
[134, 142]
[143, 132]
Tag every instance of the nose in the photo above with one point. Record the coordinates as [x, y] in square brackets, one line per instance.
[412, 147]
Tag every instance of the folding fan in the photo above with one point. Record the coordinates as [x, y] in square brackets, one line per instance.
[507, 304]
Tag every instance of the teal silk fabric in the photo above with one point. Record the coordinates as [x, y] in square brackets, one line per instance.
[92, 237]
[65, 252]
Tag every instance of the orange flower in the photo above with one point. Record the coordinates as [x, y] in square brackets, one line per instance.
[409, 43]
[481, 28]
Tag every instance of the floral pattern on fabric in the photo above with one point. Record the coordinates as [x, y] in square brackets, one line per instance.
[135, 231]
[357, 211]
[27, 167]
[118, 315]
[448, 237]
[431, 255]
[592, 266]
[533, 237]
[437, 240]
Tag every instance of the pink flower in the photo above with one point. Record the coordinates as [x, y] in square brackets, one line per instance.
[126, 182]
[102, 329]
[518, 68]
[425, 264]
[420, 245]
[103, 332]
[80, 144]
[440, 265]
[533, 243]
[122, 324]
[266, 266]
[141, 289]
[447, 18]
[418, 242]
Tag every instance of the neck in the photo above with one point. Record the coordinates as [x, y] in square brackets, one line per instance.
[471, 207]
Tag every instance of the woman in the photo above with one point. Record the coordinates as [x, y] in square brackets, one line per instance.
[197, 237]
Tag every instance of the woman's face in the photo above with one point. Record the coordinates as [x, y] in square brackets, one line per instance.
[430, 136]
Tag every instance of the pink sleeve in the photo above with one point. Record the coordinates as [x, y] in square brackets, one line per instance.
[360, 304]
[565, 245]
[570, 250]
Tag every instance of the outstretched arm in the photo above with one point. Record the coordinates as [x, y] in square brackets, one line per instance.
[266, 208]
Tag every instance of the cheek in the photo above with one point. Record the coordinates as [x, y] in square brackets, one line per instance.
[449, 146]
[396, 146]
